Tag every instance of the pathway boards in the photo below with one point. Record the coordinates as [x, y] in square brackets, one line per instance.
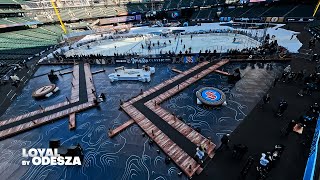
[174, 137]
[82, 96]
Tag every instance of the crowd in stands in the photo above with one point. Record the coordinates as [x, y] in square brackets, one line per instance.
[315, 29]
[255, 11]
[78, 13]
[174, 4]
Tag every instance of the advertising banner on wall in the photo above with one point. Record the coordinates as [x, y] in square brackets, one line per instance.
[247, 19]
[274, 19]
[143, 60]
[297, 19]
[190, 59]
[225, 19]
[119, 19]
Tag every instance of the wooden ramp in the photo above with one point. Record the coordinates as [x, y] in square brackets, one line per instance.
[113, 132]
[176, 70]
[72, 121]
[222, 72]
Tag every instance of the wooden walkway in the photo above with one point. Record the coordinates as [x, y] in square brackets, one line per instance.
[186, 163]
[183, 128]
[222, 72]
[25, 126]
[75, 84]
[176, 70]
[217, 71]
[113, 132]
[72, 121]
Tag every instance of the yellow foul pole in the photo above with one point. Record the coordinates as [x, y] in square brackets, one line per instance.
[58, 15]
[316, 9]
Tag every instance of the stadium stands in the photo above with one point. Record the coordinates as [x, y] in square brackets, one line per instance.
[315, 29]
[14, 20]
[17, 46]
[205, 14]
[174, 4]
[269, 11]
[301, 11]
[79, 13]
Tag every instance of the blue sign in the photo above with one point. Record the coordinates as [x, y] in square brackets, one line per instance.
[189, 59]
[211, 95]
[312, 160]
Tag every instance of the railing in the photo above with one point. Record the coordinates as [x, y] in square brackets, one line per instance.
[309, 172]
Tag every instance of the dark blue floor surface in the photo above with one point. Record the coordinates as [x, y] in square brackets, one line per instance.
[128, 155]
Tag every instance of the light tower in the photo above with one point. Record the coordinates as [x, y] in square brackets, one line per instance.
[53, 3]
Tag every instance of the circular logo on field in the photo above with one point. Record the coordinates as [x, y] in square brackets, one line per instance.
[44, 91]
[211, 95]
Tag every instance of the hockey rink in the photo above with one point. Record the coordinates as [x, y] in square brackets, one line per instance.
[220, 42]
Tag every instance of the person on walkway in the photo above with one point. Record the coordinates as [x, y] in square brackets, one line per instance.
[224, 142]
[264, 162]
[299, 75]
[282, 107]
[290, 77]
[266, 98]
[287, 69]
[200, 154]
[284, 77]
[290, 126]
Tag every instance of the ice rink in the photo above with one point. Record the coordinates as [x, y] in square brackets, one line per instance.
[220, 42]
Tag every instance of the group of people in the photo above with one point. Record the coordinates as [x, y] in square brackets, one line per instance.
[312, 42]
[268, 47]
[242, 32]
[309, 82]
[269, 159]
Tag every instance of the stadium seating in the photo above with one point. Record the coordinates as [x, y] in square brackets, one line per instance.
[301, 11]
[15, 20]
[67, 14]
[255, 11]
[19, 45]
[315, 29]
[205, 14]
[9, 1]
[174, 4]
[278, 11]
[269, 11]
